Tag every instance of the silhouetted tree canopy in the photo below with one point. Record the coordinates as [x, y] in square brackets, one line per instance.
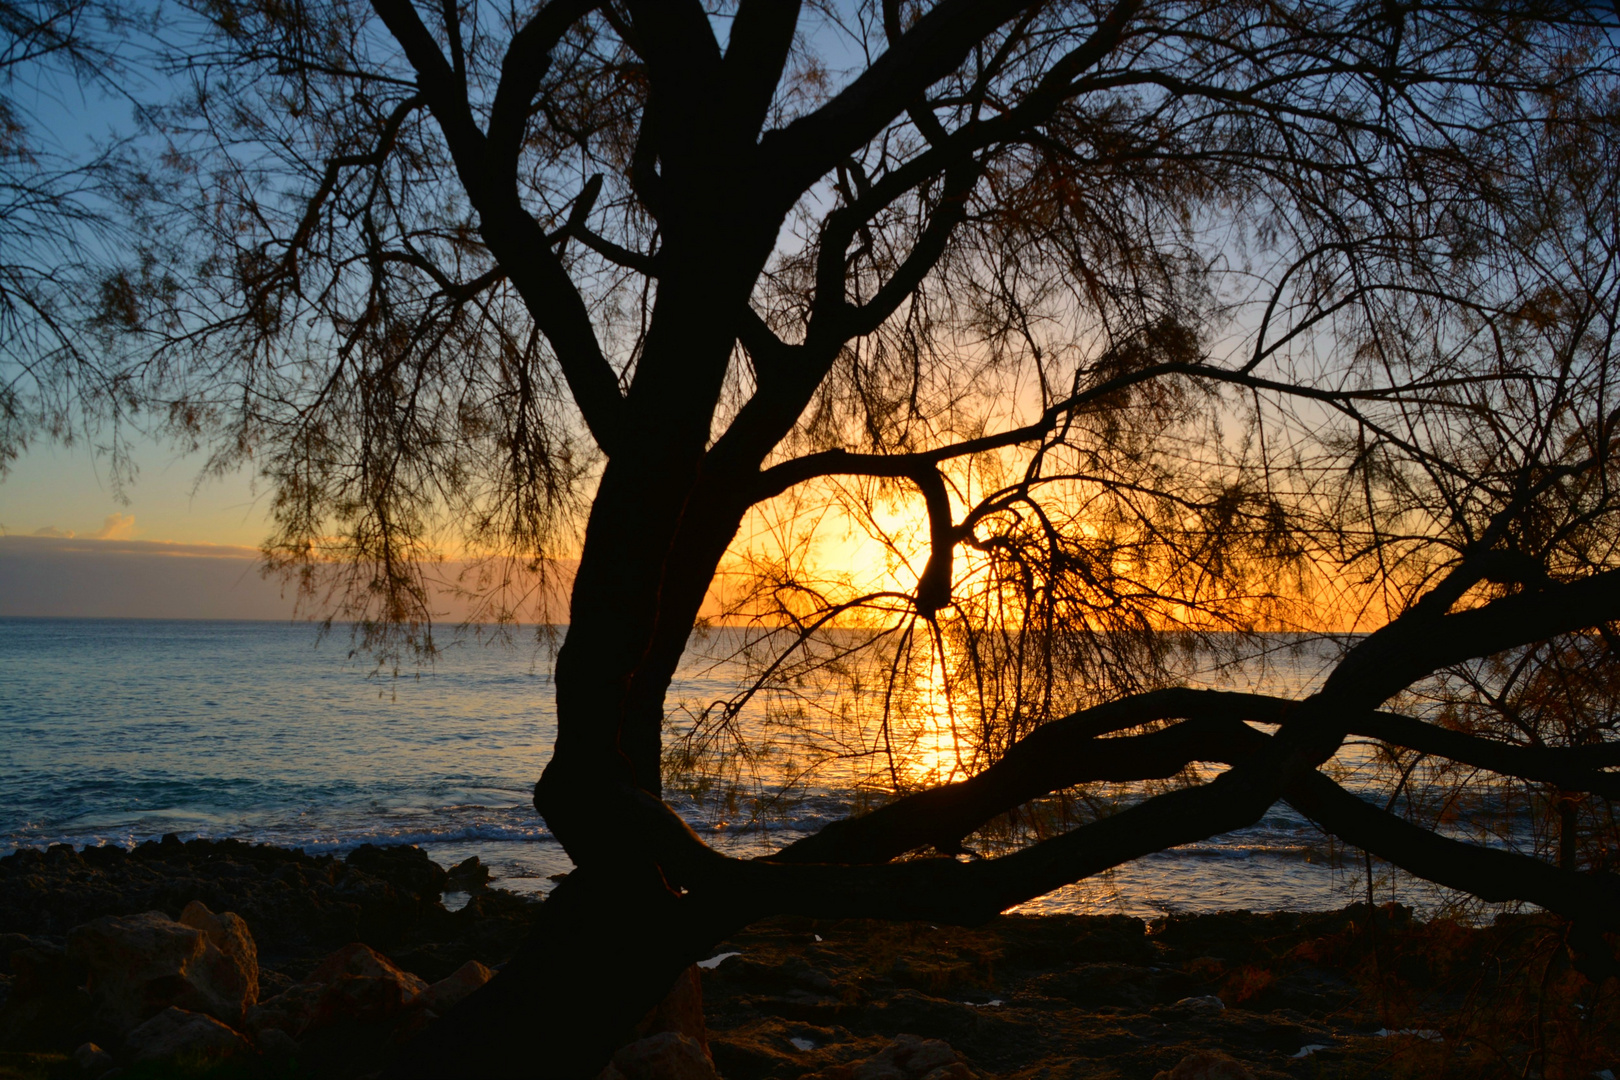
[60, 225]
[1119, 324]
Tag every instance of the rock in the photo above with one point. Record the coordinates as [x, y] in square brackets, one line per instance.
[468, 875]
[433, 960]
[229, 933]
[357, 984]
[1202, 1005]
[138, 965]
[356, 959]
[41, 968]
[179, 1033]
[276, 1043]
[681, 1011]
[272, 983]
[405, 868]
[669, 1055]
[48, 1007]
[1207, 1065]
[877, 1070]
[910, 1057]
[10, 943]
[92, 1059]
[1095, 985]
[906, 1057]
[448, 992]
[921, 1015]
[356, 999]
[287, 1012]
[360, 984]
[292, 901]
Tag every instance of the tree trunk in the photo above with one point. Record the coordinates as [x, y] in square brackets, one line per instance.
[606, 948]
[614, 936]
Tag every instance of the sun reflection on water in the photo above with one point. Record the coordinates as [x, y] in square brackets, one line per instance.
[927, 743]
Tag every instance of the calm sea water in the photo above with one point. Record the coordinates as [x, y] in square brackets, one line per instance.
[118, 731]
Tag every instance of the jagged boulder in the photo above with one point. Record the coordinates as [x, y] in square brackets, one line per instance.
[668, 1055]
[1207, 1065]
[139, 965]
[355, 984]
[907, 1057]
[48, 1007]
[229, 933]
[681, 1011]
[92, 1059]
[178, 1034]
[361, 984]
[406, 868]
[449, 991]
[468, 875]
[287, 1012]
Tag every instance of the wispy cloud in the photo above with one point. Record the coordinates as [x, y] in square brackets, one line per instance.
[54, 532]
[116, 527]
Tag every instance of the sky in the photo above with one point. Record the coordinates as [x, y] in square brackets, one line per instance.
[166, 547]
[169, 546]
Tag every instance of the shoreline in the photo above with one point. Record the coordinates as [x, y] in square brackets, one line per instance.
[1374, 991]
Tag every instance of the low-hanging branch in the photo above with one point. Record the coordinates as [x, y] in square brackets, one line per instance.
[1054, 756]
[1074, 751]
[1488, 873]
[950, 890]
[970, 892]
[1572, 768]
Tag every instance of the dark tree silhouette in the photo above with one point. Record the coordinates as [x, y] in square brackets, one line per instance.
[1175, 316]
[57, 224]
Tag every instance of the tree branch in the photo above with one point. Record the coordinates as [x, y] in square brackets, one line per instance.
[513, 236]
[934, 584]
[683, 67]
[1573, 768]
[1066, 753]
[930, 245]
[527, 59]
[778, 478]
[931, 49]
[1486, 872]
[1056, 755]
[756, 52]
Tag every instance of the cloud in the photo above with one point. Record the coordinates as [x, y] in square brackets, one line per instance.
[116, 527]
[147, 579]
[86, 545]
[112, 578]
[53, 531]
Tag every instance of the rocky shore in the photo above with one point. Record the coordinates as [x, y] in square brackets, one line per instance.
[228, 959]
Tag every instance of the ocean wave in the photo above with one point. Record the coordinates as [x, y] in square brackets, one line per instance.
[313, 843]
[1239, 851]
[448, 835]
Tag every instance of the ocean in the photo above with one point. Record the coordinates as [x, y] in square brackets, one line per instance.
[120, 731]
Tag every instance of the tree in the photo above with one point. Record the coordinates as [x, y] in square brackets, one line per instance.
[1175, 317]
[56, 224]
